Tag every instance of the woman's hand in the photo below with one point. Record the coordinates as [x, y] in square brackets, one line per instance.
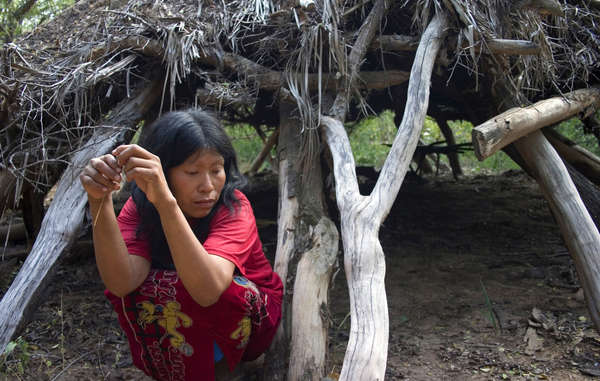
[101, 176]
[145, 169]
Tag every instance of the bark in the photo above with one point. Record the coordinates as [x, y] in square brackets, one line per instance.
[515, 123]
[276, 363]
[64, 217]
[512, 47]
[362, 216]
[577, 227]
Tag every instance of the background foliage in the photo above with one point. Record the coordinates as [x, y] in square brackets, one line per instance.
[17, 17]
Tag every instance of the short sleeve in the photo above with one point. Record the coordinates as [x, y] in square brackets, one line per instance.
[233, 234]
[128, 221]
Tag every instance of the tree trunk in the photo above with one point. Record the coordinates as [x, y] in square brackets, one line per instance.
[277, 358]
[361, 216]
[307, 245]
[577, 227]
[64, 217]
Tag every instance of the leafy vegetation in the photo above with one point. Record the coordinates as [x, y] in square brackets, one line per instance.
[17, 17]
[15, 357]
[371, 139]
[247, 145]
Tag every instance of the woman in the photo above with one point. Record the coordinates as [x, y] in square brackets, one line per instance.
[183, 264]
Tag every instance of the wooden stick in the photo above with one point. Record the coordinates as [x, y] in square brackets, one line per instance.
[579, 232]
[65, 216]
[361, 216]
[503, 129]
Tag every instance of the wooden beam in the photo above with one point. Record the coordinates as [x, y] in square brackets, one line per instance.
[395, 43]
[543, 7]
[512, 47]
[63, 220]
[578, 230]
[503, 129]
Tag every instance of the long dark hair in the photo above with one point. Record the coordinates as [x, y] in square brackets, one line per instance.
[174, 138]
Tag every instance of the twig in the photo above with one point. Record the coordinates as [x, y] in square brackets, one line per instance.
[70, 365]
[98, 212]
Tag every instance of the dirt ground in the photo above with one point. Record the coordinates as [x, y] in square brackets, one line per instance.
[479, 283]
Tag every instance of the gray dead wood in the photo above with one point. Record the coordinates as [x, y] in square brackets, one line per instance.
[512, 47]
[577, 227]
[515, 123]
[361, 217]
[277, 357]
[65, 216]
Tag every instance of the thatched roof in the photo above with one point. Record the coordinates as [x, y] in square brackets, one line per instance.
[243, 56]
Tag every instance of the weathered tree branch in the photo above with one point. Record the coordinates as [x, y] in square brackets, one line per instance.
[361, 216]
[512, 47]
[396, 165]
[544, 7]
[578, 229]
[366, 33]
[65, 216]
[509, 126]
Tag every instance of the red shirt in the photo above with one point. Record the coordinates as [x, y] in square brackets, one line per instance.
[232, 236]
[172, 337]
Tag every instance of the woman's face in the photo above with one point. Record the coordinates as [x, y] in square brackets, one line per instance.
[197, 182]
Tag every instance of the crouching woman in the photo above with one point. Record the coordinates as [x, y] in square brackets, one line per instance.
[183, 264]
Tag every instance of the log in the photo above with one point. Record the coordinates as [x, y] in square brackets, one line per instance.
[544, 7]
[512, 47]
[277, 357]
[577, 227]
[515, 123]
[311, 290]
[65, 216]
[361, 216]
[583, 160]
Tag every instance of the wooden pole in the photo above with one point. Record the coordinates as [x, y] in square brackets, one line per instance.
[63, 220]
[361, 216]
[515, 123]
[577, 227]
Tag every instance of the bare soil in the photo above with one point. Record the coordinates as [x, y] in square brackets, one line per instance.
[479, 284]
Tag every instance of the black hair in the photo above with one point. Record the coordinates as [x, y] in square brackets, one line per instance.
[174, 138]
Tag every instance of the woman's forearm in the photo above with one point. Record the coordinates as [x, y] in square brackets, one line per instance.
[121, 273]
[204, 276]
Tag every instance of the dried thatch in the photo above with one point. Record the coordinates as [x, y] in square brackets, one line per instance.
[242, 56]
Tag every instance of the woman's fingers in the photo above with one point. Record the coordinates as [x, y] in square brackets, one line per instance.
[101, 176]
[124, 153]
